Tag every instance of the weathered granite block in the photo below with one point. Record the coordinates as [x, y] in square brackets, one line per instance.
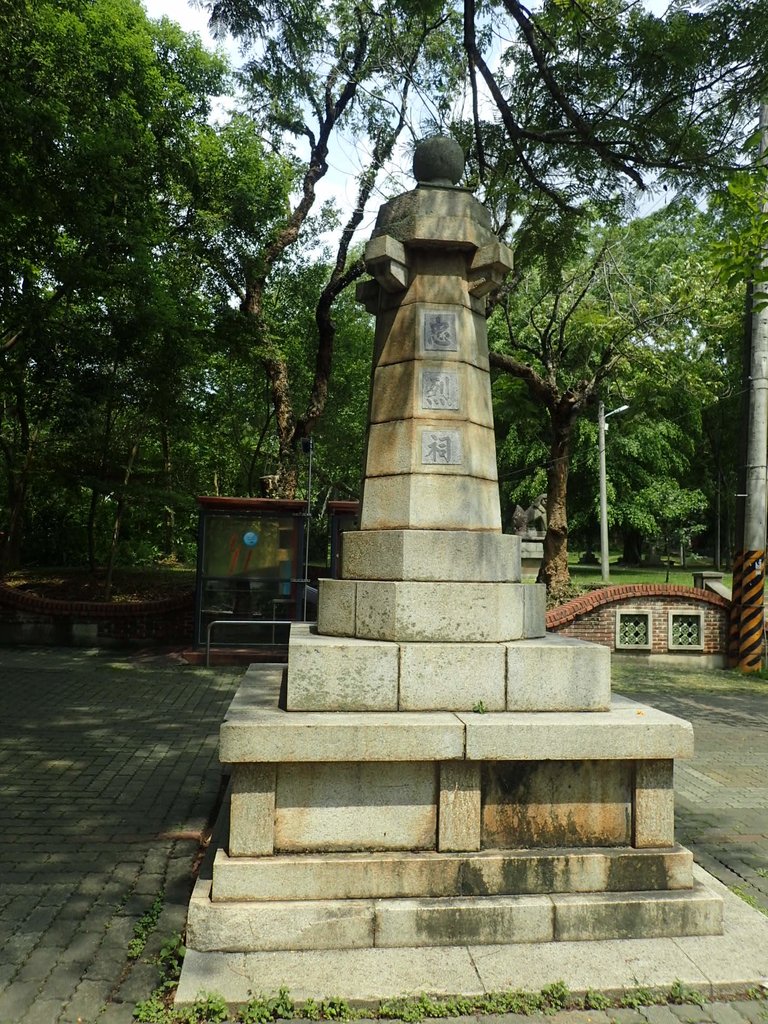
[356, 806]
[318, 736]
[420, 386]
[545, 804]
[428, 501]
[431, 556]
[558, 673]
[431, 446]
[451, 677]
[629, 731]
[654, 810]
[631, 915]
[252, 815]
[341, 674]
[246, 927]
[440, 612]
[459, 809]
[369, 875]
[535, 616]
[489, 920]
[336, 607]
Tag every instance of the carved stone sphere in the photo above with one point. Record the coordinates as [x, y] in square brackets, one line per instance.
[438, 161]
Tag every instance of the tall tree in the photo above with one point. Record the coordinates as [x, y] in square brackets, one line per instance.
[100, 111]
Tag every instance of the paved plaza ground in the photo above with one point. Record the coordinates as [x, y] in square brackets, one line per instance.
[109, 775]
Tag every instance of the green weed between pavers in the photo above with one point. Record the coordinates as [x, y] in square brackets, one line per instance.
[145, 926]
[749, 899]
[210, 1008]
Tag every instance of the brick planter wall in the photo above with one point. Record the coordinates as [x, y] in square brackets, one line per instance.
[29, 618]
[593, 616]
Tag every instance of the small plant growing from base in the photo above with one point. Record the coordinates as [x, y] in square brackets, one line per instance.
[679, 994]
[596, 1000]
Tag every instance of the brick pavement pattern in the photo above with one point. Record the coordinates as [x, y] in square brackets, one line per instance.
[109, 774]
[721, 795]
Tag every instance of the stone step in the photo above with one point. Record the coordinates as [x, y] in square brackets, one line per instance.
[550, 673]
[489, 873]
[454, 921]
[629, 731]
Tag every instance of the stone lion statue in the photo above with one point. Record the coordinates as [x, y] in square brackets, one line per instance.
[532, 521]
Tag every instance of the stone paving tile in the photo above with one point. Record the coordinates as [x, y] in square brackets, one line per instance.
[96, 769]
[689, 1013]
[756, 1012]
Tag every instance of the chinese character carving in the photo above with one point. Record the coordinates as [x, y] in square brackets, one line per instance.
[439, 332]
[439, 389]
[440, 447]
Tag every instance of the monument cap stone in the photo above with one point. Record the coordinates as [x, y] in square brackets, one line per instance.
[438, 161]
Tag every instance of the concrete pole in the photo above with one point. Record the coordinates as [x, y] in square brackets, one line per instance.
[752, 617]
[604, 563]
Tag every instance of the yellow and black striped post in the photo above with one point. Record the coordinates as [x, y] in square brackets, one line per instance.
[734, 618]
[752, 612]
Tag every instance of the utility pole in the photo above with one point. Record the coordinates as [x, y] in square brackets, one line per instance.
[752, 617]
[602, 427]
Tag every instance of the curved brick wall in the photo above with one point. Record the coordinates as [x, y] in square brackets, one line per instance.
[593, 616]
[27, 617]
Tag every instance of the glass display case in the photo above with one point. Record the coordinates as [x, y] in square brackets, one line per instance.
[250, 569]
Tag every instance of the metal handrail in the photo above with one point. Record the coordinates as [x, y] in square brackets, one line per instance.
[239, 622]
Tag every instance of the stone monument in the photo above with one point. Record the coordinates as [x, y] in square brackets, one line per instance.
[433, 769]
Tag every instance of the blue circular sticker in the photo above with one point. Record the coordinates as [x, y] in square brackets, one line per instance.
[250, 539]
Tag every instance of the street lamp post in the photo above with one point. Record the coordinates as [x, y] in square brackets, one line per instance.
[602, 427]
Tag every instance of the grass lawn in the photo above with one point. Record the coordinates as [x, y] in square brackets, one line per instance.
[590, 575]
[636, 678]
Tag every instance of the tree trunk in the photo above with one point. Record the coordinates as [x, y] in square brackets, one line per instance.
[169, 517]
[554, 566]
[118, 523]
[633, 547]
[11, 550]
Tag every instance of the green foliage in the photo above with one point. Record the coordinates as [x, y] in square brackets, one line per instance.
[208, 1008]
[596, 1000]
[261, 1010]
[636, 997]
[680, 993]
[152, 1011]
[145, 926]
[749, 898]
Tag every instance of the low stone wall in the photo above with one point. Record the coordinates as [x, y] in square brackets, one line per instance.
[651, 619]
[27, 618]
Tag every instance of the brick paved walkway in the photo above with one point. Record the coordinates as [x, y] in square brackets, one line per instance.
[721, 795]
[108, 773]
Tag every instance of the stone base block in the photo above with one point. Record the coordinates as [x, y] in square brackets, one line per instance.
[558, 673]
[406, 611]
[356, 806]
[327, 673]
[421, 501]
[714, 964]
[247, 927]
[629, 915]
[451, 677]
[486, 920]
[431, 556]
[333, 673]
[442, 612]
[452, 921]
[255, 733]
[409, 875]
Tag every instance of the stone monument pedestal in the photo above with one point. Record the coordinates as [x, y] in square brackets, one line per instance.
[433, 770]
